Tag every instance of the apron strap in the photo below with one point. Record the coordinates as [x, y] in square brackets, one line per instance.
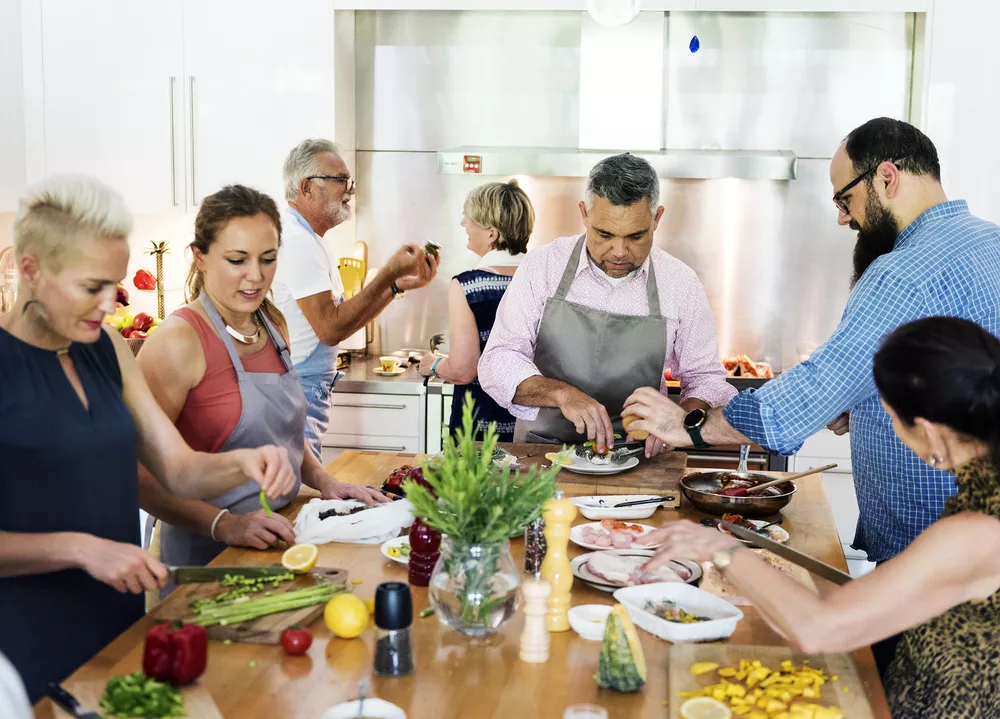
[277, 340]
[652, 293]
[569, 274]
[220, 328]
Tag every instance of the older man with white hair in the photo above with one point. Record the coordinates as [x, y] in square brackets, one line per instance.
[307, 286]
[589, 318]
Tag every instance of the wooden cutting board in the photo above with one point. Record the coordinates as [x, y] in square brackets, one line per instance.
[263, 630]
[198, 703]
[659, 475]
[682, 656]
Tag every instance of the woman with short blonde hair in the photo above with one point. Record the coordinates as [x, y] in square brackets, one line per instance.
[76, 415]
[498, 219]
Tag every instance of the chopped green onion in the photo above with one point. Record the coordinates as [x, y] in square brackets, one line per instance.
[136, 695]
[264, 505]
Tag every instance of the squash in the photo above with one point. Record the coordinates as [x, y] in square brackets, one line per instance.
[621, 666]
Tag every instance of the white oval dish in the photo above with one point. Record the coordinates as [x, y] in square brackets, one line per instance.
[373, 707]
[724, 616]
[588, 620]
[398, 541]
[578, 566]
[576, 536]
[591, 507]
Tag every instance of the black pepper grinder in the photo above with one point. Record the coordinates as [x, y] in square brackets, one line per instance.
[393, 617]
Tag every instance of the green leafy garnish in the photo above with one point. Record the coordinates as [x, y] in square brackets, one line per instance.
[136, 695]
[264, 505]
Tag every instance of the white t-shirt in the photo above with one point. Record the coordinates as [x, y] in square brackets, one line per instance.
[13, 699]
[305, 267]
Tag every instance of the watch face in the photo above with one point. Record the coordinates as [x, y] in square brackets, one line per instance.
[695, 418]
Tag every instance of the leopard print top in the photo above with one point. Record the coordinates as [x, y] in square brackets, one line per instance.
[949, 667]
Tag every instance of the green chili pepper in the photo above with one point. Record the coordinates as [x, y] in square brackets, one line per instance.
[264, 505]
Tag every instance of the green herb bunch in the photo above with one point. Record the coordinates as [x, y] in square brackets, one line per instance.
[472, 501]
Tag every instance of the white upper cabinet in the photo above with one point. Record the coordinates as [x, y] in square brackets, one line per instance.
[12, 177]
[259, 79]
[112, 73]
[169, 101]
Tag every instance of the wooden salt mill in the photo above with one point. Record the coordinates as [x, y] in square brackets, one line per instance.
[535, 637]
[558, 514]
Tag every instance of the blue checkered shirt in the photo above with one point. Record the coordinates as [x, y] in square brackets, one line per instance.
[945, 262]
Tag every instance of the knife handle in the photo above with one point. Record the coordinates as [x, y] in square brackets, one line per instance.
[64, 699]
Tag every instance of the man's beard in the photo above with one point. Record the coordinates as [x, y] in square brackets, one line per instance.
[615, 273]
[875, 239]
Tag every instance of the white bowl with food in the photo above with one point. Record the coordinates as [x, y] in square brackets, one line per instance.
[696, 615]
[602, 506]
[610, 534]
[588, 620]
[373, 708]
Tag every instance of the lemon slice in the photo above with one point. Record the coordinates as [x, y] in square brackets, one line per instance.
[559, 458]
[300, 558]
[704, 708]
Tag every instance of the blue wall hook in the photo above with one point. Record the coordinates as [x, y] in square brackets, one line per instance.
[695, 44]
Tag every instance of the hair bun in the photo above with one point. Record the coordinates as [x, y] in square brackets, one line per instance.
[512, 182]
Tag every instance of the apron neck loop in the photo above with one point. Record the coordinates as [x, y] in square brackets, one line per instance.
[569, 274]
[220, 328]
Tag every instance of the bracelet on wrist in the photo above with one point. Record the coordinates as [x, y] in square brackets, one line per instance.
[434, 367]
[215, 523]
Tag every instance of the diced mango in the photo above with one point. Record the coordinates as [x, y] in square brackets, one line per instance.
[727, 672]
[703, 667]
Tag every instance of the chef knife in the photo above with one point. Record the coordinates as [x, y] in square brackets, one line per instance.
[68, 702]
[815, 566]
[193, 575]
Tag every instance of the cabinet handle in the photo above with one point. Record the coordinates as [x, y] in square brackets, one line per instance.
[173, 160]
[194, 196]
[371, 406]
[372, 447]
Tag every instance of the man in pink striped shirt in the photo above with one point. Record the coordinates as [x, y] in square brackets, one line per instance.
[588, 319]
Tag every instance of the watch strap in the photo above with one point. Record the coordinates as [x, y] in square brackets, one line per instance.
[696, 438]
[396, 292]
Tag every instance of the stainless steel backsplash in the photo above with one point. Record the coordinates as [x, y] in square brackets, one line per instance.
[772, 258]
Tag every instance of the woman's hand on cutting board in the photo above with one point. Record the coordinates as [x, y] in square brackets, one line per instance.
[332, 489]
[685, 539]
[125, 567]
[255, 530]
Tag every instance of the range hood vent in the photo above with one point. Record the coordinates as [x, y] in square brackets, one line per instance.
[572, 162]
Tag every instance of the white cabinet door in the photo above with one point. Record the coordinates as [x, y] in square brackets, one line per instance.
[109, 67]
[259, 79]
[12, 177]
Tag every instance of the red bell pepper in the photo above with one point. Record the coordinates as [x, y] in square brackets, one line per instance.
[175, 653]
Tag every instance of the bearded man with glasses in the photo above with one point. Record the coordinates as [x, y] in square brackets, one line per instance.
[307, 286]
[917, 255]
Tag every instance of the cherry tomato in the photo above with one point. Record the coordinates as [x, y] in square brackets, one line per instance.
[296, 641]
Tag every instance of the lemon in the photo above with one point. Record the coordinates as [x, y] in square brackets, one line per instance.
[300, 558]
[704, 708]
[346, 616]
[370, 605]
[559, 458]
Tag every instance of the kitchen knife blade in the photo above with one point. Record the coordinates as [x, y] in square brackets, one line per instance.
[636, 502]
[820, 569]
[68, 702]
[194, 575]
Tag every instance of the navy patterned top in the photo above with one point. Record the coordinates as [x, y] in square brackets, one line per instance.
[64, 468]
[483, 291]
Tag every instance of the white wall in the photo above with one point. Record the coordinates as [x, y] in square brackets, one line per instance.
[963, 100]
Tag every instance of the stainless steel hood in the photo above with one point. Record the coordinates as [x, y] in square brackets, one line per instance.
[571, 162]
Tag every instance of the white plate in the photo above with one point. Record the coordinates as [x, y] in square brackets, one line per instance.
[373, 707]
[724, 616]
[393, 373]
[588, 620]
[774, 532]
[591, 509]
[576, 536]
[584, 466]
[397, 542]
[580, 570]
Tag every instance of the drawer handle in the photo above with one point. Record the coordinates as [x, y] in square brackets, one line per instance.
[375, 447]
[724, 458]
[371, 406]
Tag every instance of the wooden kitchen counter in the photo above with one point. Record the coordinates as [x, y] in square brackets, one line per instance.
[455, 677]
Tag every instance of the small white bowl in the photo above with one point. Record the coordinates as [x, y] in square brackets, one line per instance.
[601, 506]
[375, 708]
[588, 620]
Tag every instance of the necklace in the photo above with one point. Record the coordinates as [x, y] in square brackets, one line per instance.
[245, 339]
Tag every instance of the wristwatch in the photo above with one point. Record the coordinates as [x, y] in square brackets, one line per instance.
[724, 557]
[396, 292]
[693, 422]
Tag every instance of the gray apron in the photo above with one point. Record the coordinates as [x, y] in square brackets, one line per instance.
[604, 355]
[274, 412]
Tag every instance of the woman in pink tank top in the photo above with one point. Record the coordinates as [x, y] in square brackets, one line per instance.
[220, 368]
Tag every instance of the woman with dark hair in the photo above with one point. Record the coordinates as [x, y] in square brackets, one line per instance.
[498, 219]
[220, 369]
[939, 379]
